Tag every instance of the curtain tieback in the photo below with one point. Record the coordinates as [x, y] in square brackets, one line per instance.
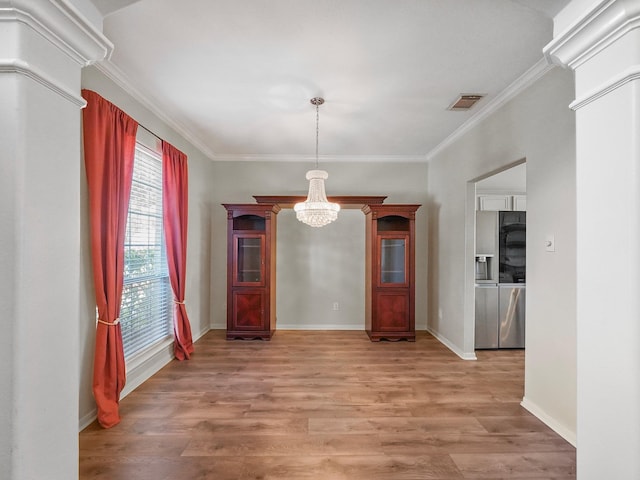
[178, 302]
[115, 322]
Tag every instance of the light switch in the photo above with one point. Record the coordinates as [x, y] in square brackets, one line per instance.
[550, 243]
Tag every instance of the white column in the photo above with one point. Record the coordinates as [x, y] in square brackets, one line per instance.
[43, 46]
[602, 47]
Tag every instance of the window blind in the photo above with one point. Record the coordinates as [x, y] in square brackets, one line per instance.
[145, 314]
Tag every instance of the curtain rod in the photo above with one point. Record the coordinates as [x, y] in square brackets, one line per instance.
[151, 132]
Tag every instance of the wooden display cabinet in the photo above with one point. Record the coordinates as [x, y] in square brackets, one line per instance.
[251, 270]
[390, 272]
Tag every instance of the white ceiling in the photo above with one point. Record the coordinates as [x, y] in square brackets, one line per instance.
[238, 75]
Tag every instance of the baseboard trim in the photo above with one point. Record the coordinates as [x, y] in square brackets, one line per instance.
[87, 419]
[145, 370]
[201, 334]
[548, 420]
[141, 373]
[323, 326]
[447, 343]
[289, 326]
[137, 376]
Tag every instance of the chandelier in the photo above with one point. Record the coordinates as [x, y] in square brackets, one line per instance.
[316, 210]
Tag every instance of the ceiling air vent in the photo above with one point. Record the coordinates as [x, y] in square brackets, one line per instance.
[465, 101]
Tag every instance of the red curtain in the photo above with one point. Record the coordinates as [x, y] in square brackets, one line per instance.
[175, 210]
[109, 149]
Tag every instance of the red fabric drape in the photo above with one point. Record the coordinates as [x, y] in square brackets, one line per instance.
[109, 149]
[175, 210]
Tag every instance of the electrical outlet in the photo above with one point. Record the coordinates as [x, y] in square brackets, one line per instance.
[336, 306]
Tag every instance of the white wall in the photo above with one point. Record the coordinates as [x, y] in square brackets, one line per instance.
[317, 267]
[40, 230]
[608, 300]
[603, 51]
[331, 259]
[198, 248]
[551, 372]
[9, 240]
[39, 238]
[539, 126]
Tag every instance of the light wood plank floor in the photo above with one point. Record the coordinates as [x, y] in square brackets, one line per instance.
[328, 405]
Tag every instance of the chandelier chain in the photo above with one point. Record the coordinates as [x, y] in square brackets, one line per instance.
[317, 131]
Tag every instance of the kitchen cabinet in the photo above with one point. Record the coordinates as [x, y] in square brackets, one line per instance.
[494, 202]
[520, 203]
[251, 270]
[390, 272]
[501, 202]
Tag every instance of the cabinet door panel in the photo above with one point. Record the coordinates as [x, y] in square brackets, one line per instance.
[520, 203]
[248, 310]
[392, 311]
[393, 264]
[495, 202]
[248, 266]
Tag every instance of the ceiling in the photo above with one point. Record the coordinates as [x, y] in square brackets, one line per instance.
[237, 76]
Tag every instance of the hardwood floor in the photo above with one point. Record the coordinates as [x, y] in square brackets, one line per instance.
[328, 405]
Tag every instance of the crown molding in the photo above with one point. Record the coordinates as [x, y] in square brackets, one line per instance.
[321, 158]
[61, 24]
[13, 65]
[541, 68]
[604, 24]
[345, 201]
[120, 79]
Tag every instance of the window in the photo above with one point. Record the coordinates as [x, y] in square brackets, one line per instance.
[146, 309]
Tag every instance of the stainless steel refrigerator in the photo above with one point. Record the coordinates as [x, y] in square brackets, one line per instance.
[501, 284]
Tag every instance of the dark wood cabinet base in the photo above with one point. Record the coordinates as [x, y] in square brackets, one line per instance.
[250, 335]
[392, 337]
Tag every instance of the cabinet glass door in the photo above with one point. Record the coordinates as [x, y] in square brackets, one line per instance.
[249, 264]
[393, 260]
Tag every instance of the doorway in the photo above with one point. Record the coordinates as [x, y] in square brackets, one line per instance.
[496, 287]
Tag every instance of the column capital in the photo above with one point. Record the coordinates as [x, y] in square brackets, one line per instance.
[60, 23]
[606, 22]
